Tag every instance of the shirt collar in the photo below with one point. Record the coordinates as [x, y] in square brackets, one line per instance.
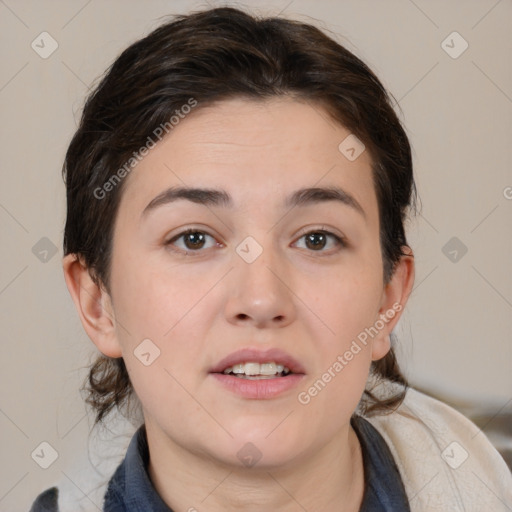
[384, 489]
[131, 490]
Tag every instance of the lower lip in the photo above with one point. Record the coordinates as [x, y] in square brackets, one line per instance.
[258, 389]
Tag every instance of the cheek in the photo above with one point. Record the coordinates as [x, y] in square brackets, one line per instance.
[347, 301]
[157, 302]
[348, 307]
[164, 349]
[164, 318]
[164, 394]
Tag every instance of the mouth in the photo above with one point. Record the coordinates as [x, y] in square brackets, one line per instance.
[258, 375]
[257, 371]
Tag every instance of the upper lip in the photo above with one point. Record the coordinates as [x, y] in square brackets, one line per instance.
[247, 355]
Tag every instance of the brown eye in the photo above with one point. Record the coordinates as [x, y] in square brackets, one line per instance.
[192, 240]
[316, 241]
[320, 241]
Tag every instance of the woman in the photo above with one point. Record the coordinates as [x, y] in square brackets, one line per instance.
[235, 248]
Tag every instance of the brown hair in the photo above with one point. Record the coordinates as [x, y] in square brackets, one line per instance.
[210, 56]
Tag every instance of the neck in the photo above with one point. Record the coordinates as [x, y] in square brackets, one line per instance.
[331, 478]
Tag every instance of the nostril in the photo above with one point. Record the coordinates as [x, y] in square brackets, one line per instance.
[242, 316]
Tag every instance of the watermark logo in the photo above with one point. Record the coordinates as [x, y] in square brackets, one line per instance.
[44, 45]
[147, 352]
[454, 249]
[454, 455]
[45, 455]
[454, 45]
[249, 455]
[351, 147]
[249, 250]
[44, 250]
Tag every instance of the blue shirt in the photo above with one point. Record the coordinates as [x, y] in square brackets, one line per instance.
[131, 490]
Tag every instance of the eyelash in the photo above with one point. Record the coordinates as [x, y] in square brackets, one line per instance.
[339, 240]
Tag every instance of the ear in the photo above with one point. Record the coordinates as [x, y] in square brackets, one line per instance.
[93, 304]
[394, 298]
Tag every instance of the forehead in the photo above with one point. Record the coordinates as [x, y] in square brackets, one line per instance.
[256, 150]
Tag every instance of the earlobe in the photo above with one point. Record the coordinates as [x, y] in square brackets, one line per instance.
[381, 346]
[93, 305]
[395, 296]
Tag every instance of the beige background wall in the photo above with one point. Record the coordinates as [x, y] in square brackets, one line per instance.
[456, 336]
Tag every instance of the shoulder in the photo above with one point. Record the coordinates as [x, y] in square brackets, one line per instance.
[446, 461]
[83, 482]
[47, 501]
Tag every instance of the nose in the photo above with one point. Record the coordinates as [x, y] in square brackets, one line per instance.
[260, 292]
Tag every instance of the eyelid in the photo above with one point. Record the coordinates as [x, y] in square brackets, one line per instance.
[183, 230]
[322, 229]
[340, 239]
[169, 241]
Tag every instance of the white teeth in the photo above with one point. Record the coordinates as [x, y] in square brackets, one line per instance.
[238, 368]
[266, 369]
[251, 369]
[255, 377]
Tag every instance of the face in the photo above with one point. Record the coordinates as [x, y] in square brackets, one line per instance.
[257, 269]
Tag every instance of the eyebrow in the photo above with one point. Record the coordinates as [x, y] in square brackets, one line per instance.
[215, 197]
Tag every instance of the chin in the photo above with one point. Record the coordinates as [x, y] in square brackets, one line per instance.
[263, 448]
[253, 457]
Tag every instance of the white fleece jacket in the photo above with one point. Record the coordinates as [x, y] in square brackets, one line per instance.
[446, 462]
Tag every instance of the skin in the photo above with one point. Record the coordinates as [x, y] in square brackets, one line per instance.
[198, 307]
